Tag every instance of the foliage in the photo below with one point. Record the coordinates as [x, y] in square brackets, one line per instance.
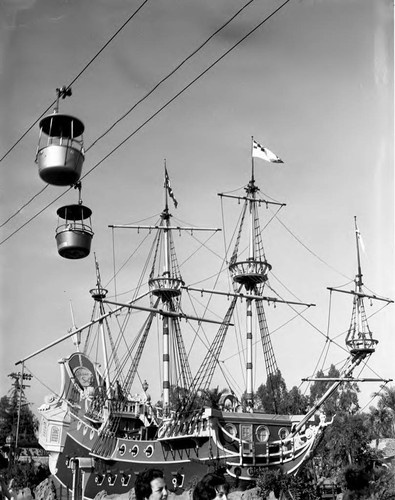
[300, 486]
[385, 410]
[212, 397]
[374, 482]
[343, 399]
[26, 474]
[179, 396]
[274, 397]
[386, 397]
[381, 423]
[28, 423]
[345, 442]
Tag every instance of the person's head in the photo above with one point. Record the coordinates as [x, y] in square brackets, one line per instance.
[151, 485]
[210, 487]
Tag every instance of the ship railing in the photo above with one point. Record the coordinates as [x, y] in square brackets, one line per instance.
[166, 284]
[367, 345]
[250, 267]
[194, 426]
[280, 450]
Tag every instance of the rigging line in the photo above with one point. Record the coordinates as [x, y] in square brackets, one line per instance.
[159, 110]
[127, 260]
[274, 215]
[203, 244]
[76, 78]
[53, 392]
[235, 383]
[310, 251]
[242, 350]
[170, 74]
[283, 285]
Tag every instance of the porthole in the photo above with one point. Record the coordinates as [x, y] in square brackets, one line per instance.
[92, 434]
[85, 430]
[79, 423]
[149, 451]
[262, 433]
[122, 450]
[134, 451]
[283, 433]
[125, 478]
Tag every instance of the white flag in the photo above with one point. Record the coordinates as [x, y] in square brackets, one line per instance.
[359, 237]
[259, 151]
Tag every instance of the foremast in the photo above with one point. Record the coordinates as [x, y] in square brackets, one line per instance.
[359, 340]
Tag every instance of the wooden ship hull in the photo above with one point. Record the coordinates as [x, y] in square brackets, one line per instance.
[238, 443]
[100, 437]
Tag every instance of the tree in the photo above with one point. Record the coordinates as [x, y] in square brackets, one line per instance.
[297, 403]
[274, 397]
[300, 486]
[28, 423]
[381, 423]
[386, 397]
[212, 397]
[346, 442]
[386, 407]
[344, 398]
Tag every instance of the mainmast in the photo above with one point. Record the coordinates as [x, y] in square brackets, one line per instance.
[165, 283]
[252, 274]
[168, 288]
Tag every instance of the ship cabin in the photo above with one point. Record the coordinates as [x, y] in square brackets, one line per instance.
[260, 437]
[136, 419]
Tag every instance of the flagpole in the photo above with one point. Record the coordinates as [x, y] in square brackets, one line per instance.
[166, 186]
[358, 237]
[252, 157]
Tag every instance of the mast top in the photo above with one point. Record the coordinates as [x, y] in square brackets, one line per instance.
[358, 277]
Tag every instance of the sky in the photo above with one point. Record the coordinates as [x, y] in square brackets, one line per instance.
[314, 83]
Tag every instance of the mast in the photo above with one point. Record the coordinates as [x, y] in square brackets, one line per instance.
[166, 322]
[250, 274]
[165, 283]
[359, 338]
[99, 294]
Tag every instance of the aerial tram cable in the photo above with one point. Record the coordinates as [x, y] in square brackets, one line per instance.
[186, 87]
[134, 106]
[76, 78]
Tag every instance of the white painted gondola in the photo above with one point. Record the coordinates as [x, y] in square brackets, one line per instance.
[60, 153]
[74, 234]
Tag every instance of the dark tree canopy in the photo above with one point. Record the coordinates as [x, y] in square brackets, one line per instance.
[344, 399]
[274, 397]
[28, 423]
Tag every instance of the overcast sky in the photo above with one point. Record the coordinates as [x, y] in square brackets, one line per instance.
[314, 84]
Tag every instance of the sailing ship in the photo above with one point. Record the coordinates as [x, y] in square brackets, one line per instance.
[100, 435]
